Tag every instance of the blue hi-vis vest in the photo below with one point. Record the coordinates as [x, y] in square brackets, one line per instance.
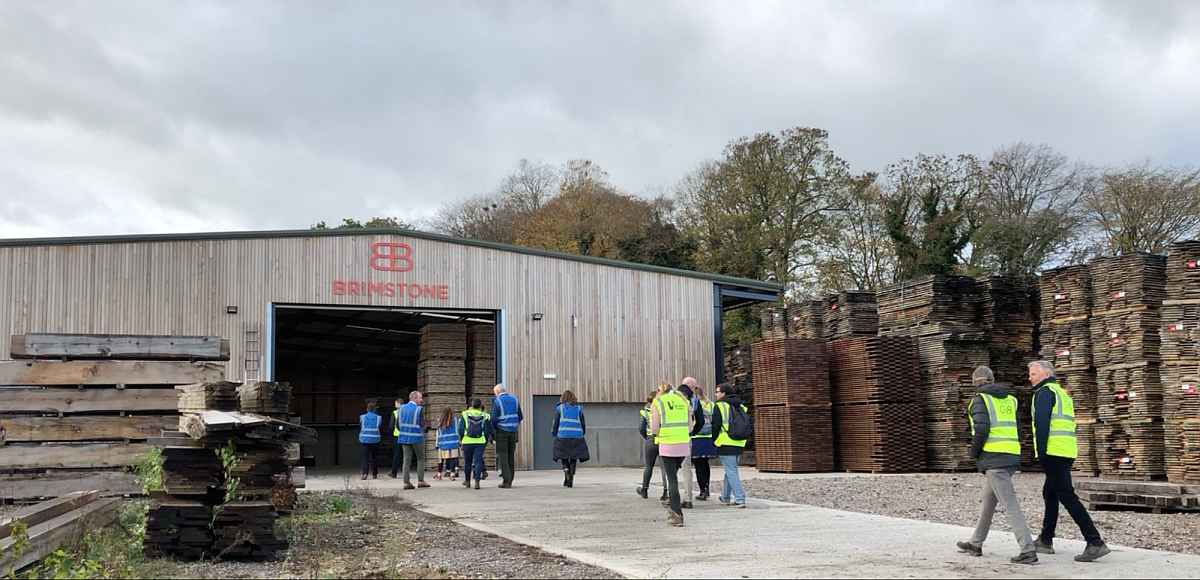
[448, 437]
[509, 419]
[569, 425]
[409, 421]
[368, 427]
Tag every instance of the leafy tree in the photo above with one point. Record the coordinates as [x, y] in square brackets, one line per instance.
[373, 223]
[496, 217]
[1144, 208]
[929, 212]
[857, 253]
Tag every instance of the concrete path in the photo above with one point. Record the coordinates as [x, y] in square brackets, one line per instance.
[602, 522]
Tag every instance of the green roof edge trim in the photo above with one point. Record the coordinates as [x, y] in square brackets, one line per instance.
[269, 234]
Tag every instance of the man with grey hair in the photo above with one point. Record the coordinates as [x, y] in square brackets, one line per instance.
[996, 449]
[506, 422]
[1057, 448]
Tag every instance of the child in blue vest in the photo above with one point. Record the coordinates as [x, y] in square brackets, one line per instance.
[369, 437]
[570, 427]
[449, 446]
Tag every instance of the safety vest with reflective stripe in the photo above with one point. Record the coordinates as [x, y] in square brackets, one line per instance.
[482, 438]
[448, 437]
[368, 427]
[706, 430]
[1062, 441]
[673, 411]
[408, 430]
[645, 414]
[569, 424]
[723, 438]
[509, 419]
[1002, 433]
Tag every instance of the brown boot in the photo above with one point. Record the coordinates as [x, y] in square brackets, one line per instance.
[675, 520]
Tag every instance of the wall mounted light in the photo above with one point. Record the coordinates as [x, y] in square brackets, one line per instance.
[231, 310]
[537, 316]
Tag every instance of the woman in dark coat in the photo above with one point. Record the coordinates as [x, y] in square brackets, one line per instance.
[570, 447]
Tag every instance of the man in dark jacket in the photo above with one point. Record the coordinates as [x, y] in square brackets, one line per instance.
[1057, 462]
[996, 449]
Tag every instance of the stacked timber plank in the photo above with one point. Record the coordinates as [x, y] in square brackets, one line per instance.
[849, 314]
[877, 404]
[1127, 297]
[442, 375]
[221, 473]
[1156, 497]
[931, 305]
[50, 524]
[264, 398]
[1010, 320]
[1066, 341]
[774, 322]
[78, 410]
[805, 319]
[739, 364]
[1181, 363]
[793, 416]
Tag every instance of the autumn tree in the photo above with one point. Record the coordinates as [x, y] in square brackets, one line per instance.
[1144, 208]
[497, 216]
[930, 212]
[373, 223]
[856, 253]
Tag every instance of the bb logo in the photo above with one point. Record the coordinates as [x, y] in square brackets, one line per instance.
[391, 257]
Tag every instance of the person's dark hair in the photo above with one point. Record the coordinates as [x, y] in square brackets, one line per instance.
[447, 418]
[727, 388]
[653, 395]
[569, 398]
[686, 391]
[477, 403]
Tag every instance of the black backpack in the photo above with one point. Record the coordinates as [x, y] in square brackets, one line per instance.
[738, 424]
[474, 426]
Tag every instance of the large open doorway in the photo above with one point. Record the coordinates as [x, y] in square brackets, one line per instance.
[337, 358]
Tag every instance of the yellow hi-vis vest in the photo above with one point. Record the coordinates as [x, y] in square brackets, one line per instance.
[723, 438]
[706, 430]
[1002, 434]
[482, 438]
[1062, 441]
[673, 411]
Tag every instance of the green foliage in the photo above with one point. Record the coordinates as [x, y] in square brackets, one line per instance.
[373, 223]
[340, 504]
[149, 470]
[20, 538]
[110, 552]
[930, 212]
[229, 459]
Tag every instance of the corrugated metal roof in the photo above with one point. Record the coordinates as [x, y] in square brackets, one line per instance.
[121, 239]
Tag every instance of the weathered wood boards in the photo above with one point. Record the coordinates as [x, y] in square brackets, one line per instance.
[39, 456]
[47, 536]
[82, 428]
[47, 510]
[119, 346]
[28, 486]
[67, 401]
[71, 373]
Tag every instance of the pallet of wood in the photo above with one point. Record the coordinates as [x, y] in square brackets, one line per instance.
[1009, 313]
[880, 437]
[1180, 331]
[50, 524]
[806, 319]
[1068, 344]
[794, 439]
[931, 305]
[1156, 497]
[791, 371]
[1085, 436]
[1181, 390]
[264, 398]
[849, 314]
[1128, 281]
[179, 528]
[439, 341]
[1066, 293]
[1081, 384]
[879, 369]
[217, 396]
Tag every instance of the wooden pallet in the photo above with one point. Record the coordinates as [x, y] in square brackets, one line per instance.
[806, 319]
[794, 439]
[1156, 497]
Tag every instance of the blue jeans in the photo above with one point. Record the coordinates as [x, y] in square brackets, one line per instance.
[473, 461]
[733, 480]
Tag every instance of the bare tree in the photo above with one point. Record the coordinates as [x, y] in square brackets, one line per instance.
[857, 253]
[498, 216]
[1031, 204]
[1144, 208]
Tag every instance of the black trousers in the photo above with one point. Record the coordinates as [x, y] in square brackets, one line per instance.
[1059, 489]
[506, 454]
[673, 464]
[703, 472]
[369, 464]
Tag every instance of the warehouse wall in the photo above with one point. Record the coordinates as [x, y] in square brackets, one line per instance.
[609, 333]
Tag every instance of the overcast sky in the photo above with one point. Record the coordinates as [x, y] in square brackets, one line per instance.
[131, 117]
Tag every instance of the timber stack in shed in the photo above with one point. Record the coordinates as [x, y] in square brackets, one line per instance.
[877, 403]
[79, 409]
[1127, 297]
[793, 415]
[441, 377]
[1181, 363]
[944, 314]
[481, 379]
[1066, 340]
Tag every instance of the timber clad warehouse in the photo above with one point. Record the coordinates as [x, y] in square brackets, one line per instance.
[345, 316]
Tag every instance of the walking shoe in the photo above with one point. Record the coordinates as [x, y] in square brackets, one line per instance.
[703, 496]
[364, 477]
[476, 484]
[1093, 552]
[970, 548]
[504, 486]
[408, 486]
[740, 505]
[723, 501]
[467, 483]
[665, 496]
[676, 520]
[641, 491]
[1043, 547]
[687, 505]
[437, 477]
[422, 484]
[1026, 558]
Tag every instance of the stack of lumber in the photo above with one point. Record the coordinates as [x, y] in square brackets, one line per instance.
[850, 314]
[263, 398]
[442, 373]
[245, 530]
[739, 366]
[50, 524]
[1127, 298]
[1066, 293]
[878, 404]
[1181, 362]
[793, 416]
[179, 528]
[774, 322]
[1009, 314]
[1066, 342]
[1081, 384]
[947, 362]
[1068, 345]
[931, 305]
[217, 396]
[806, 319]
[1157, 497]
[78, 409]
[1086, 464]
[481, 360]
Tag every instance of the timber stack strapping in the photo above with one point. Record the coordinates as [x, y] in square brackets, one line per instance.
[1181, 363]
[79, 409]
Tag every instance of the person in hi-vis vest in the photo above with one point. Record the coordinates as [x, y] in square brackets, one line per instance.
[996, 449]
[369, 424]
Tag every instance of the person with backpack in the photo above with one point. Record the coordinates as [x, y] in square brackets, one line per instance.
[475, 432]
[506, 422]
[409, 428]
[671, 421]
[369, 437]
[732, 425]
[570, 427]
[703, 448]
[649, 450]
[449, 446]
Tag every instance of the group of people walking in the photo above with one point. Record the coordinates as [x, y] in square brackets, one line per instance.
[682, 429]
[996, 449]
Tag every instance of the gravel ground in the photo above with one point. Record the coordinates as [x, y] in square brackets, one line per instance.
[954, 499]
[381, 537]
